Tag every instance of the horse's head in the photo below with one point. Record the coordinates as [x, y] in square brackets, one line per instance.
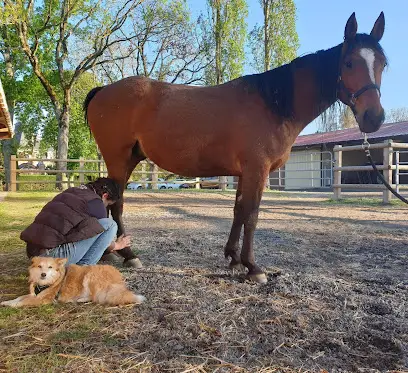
[361, 66]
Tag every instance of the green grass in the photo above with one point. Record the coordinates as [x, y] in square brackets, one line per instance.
[55, 337]
[366, 201]
[39, 185]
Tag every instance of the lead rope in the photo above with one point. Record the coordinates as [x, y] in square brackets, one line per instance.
[366, 148]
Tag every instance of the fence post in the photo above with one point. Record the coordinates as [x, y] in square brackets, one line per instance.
[13, 173]
[197, 183]
[155, 176]
[279, 178]
[387, 173]
[81, 169]
[397, 161]
[223, 182]
[337, 173]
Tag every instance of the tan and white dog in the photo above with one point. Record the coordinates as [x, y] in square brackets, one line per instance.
[51, 281]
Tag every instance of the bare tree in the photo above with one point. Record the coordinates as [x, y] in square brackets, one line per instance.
[397, 115]
[70, 36]
[166, 46]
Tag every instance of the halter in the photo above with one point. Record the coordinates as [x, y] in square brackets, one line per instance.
[354, 96]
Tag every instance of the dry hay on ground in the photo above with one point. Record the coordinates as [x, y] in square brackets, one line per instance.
[336, 298]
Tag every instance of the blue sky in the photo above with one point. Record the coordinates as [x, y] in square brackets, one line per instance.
[320, 25]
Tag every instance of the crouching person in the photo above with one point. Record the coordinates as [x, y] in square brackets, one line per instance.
[74, 225]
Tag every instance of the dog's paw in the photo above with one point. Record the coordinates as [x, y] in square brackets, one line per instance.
[10, 303]
[139, 299]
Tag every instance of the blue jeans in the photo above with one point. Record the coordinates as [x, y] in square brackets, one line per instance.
[89, 251]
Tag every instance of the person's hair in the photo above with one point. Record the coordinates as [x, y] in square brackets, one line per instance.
[106, 185]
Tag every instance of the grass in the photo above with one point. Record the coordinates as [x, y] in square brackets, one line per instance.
[50, 338]
[39, 185]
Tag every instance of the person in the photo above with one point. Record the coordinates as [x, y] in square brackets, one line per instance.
[75, 225]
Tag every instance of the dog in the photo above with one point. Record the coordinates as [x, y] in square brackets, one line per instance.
[52, 281]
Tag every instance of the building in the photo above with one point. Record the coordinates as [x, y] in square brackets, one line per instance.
[311, 160]
[6, 131]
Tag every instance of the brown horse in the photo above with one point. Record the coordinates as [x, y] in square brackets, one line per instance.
[243, 128]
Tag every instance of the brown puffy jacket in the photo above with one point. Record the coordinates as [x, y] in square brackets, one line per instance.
[64, 219]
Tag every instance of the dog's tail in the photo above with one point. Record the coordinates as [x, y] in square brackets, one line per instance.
[117, 294]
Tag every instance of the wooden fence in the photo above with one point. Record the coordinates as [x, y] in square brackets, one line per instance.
[81, 171]
[387, 169]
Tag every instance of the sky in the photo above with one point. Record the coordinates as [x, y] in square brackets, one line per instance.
[320, 25]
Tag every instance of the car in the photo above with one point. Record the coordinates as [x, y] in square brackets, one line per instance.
[210, 183]
[180, 184]
[162, 184]
[135, 186]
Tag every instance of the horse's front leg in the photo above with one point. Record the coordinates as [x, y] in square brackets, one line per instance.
[131, 259]
[252, 188]
[232, 247]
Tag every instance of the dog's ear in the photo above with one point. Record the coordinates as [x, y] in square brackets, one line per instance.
[35, 260]
[61, 261]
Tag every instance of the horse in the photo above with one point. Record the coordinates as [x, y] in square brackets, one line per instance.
[244, 128]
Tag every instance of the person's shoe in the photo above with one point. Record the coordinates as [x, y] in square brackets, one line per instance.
[133, 263]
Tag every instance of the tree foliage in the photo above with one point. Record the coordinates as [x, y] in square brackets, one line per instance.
[275, 41]
[227, 31]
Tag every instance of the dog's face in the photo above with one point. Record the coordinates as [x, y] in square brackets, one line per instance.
[46, 271]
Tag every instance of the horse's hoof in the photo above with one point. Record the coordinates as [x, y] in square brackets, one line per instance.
[260, 278]
[110, 258]
[133, 263]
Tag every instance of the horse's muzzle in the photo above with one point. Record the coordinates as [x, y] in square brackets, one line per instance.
[371, 121]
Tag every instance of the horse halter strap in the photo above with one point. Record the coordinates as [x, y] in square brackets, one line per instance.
[354, 96]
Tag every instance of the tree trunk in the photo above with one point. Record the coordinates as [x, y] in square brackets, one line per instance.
[63, 135]
[218, 37]
[266, 33]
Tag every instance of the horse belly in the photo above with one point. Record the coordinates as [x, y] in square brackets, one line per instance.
[192, 157]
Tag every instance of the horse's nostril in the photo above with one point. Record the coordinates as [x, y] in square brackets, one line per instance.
[43, 275]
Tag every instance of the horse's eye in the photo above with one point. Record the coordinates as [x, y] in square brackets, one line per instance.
[349, 65]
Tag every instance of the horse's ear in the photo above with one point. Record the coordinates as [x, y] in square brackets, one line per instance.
[378, 29]
[351, 28]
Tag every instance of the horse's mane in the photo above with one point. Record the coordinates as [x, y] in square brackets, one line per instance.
[276, 86]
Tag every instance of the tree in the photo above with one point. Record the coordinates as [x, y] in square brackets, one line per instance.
[167, 45]
[347, 118]
[228, 30]
[336, 118]
[397, 115]
[276, 41]
[69, 37]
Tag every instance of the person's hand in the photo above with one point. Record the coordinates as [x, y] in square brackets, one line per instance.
[122, 242]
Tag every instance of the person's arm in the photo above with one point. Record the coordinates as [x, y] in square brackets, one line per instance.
[97, 209]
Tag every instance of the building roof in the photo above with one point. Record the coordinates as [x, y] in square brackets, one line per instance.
[388, 130]
[6, 131]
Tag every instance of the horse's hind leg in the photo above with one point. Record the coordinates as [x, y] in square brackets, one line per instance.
[232, 247]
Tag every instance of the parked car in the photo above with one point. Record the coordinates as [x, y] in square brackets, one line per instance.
[210, 183]
[27, 166]
[162, 184]
[179, 184]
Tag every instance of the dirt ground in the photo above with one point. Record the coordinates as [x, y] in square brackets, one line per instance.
[336, 297]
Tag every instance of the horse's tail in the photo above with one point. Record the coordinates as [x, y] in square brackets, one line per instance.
[91, 94]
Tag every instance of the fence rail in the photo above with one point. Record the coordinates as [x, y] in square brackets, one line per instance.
[387, 167]
[80, 173]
